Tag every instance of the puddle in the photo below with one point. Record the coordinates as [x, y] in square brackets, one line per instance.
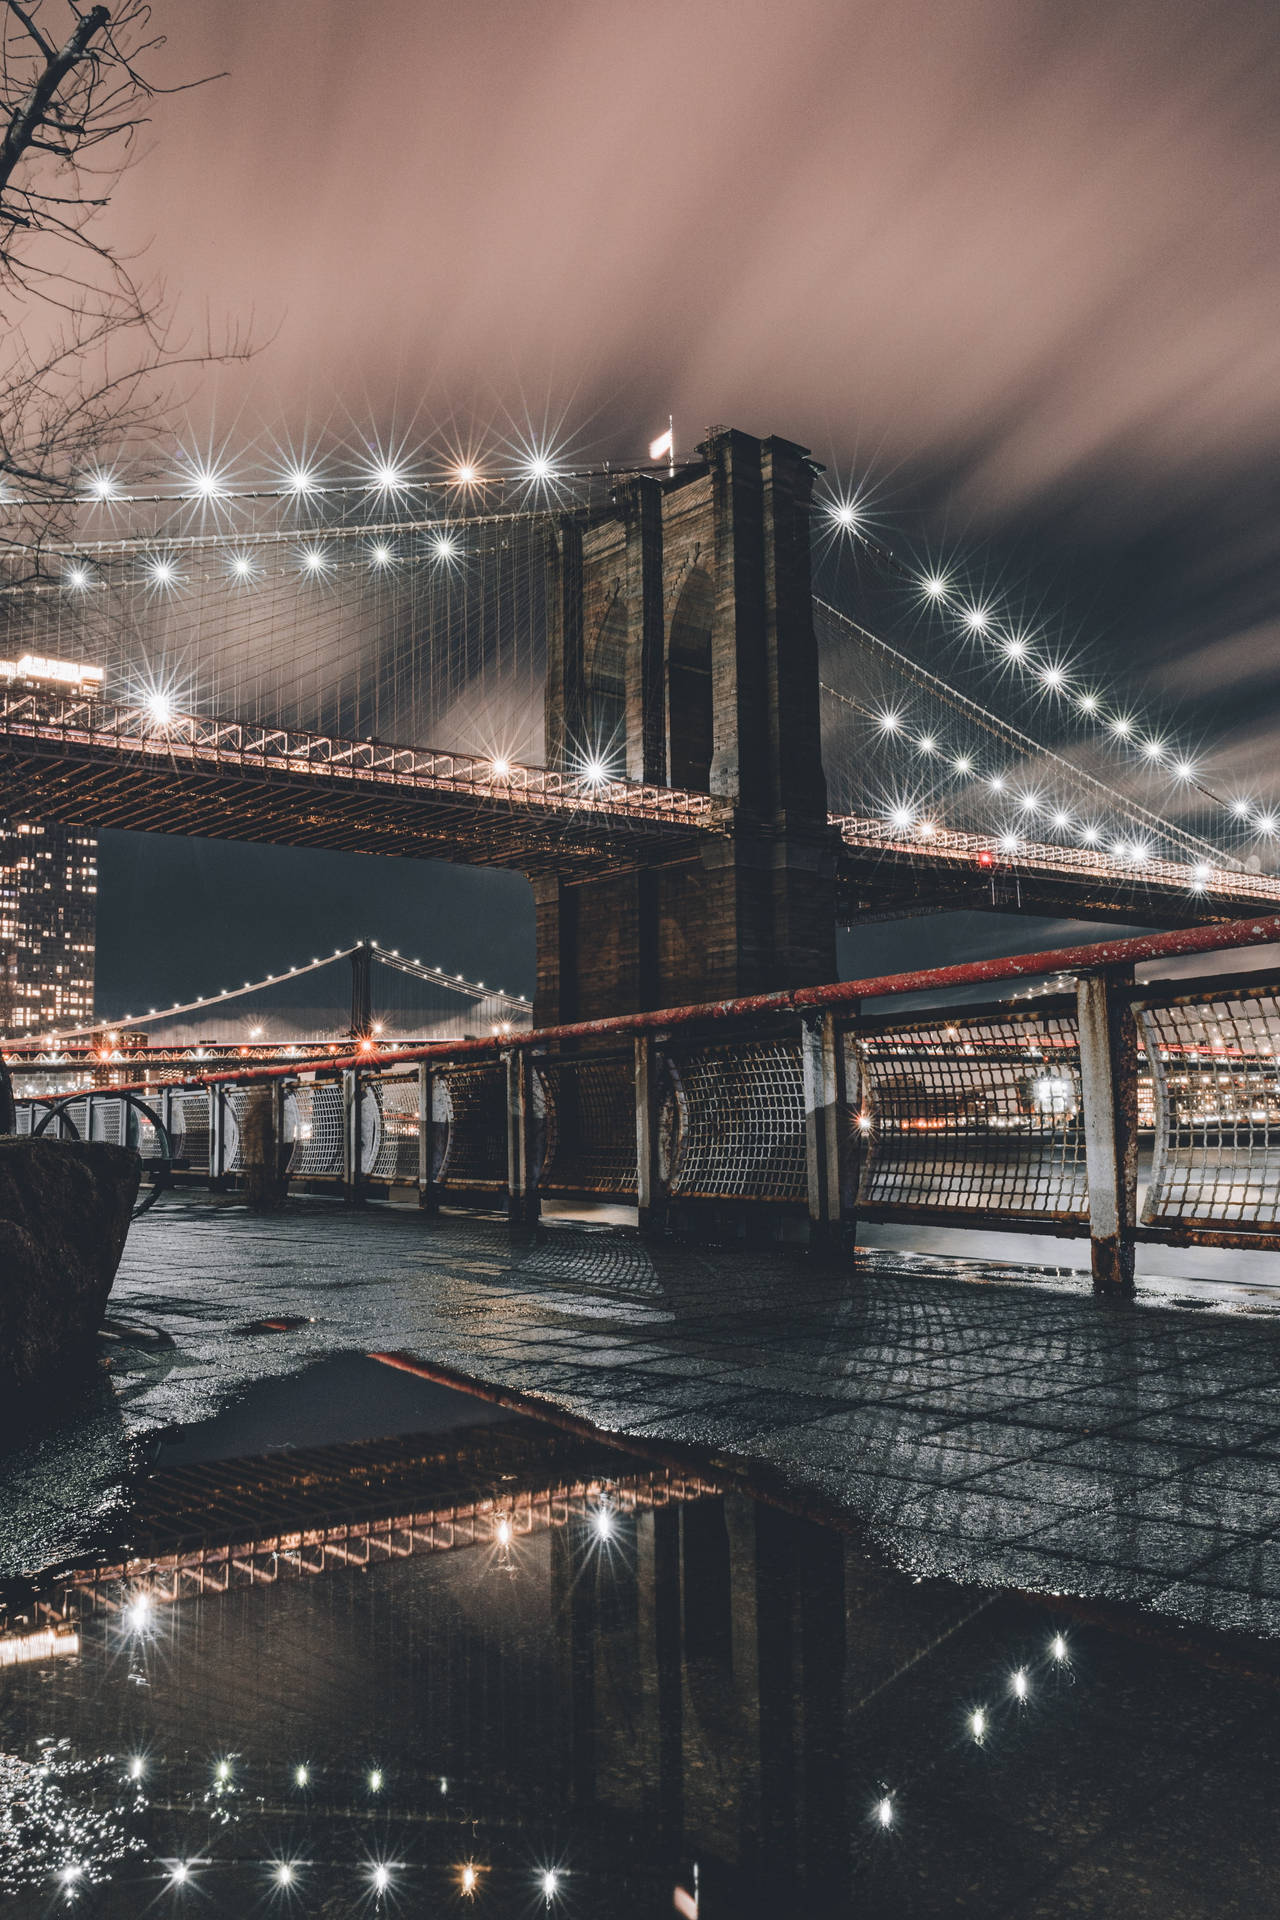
[384, 1647]
[343, 1397]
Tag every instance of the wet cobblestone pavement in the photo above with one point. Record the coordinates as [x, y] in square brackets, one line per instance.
[978, 1425]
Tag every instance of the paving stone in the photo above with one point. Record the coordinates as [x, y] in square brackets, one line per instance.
[1125, 1539]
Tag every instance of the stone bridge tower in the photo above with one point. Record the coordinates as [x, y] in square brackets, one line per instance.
[681, 650]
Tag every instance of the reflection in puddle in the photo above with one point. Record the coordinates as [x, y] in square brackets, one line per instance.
[501, 1668]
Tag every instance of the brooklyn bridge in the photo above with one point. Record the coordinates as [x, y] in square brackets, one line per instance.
[620, 684]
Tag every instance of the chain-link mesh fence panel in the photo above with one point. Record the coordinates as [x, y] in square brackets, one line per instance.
[589, 1126]
[1216, 1067]
[475, 1100]
[313, 1130]
[101, 1119]
[392, 1153]
[140, 1131]
[976, 1116]
[188, 1122]
[234, 1104]
[739, 1122]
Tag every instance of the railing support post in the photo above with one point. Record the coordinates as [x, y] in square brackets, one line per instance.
[217, 1138]
[523, 1201]
[428, 1192]
[650, 1195]
[822, 1076]
[352, 1100]
[284, 1148]
[1109, 1092]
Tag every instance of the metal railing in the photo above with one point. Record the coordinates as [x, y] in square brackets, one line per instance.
[801, 1113]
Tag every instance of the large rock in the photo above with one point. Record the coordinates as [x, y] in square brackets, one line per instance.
[64, 1216]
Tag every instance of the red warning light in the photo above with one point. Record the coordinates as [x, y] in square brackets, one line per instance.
[984, 858]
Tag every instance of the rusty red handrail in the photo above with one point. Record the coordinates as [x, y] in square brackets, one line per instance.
[1091, 958]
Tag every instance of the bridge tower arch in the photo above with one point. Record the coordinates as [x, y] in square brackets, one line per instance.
[681, 650]
[690, 694]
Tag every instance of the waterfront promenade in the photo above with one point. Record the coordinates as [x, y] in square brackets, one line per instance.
[974, 1420]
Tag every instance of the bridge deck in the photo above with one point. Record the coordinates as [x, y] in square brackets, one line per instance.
[81, 763]
[77, 761]
[890, 875]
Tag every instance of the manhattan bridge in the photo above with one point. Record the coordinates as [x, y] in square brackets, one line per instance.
[616, 681]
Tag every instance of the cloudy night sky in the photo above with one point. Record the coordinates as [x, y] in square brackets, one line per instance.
[1008, 266]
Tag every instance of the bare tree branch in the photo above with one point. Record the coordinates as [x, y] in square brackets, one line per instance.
[87, 350]
[32, 113]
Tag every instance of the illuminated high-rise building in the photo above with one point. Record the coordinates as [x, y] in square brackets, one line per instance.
[48, 886]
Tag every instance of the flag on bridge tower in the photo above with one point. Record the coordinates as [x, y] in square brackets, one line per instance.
[665, 443]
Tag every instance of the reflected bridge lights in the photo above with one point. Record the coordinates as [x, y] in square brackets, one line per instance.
[504, 1539]
[136, 1615]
